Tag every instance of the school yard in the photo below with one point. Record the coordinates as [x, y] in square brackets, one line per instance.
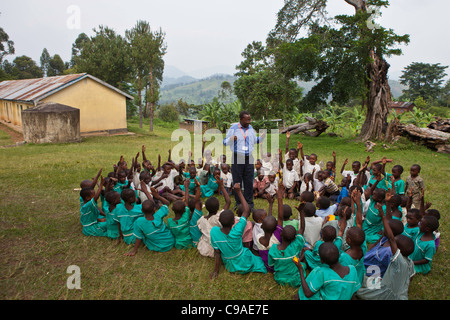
[40, 231]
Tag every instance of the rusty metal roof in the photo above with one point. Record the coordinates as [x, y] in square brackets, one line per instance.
[400, 104]
[34, 90]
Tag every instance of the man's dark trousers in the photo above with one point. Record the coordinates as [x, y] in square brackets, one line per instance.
[243, 172]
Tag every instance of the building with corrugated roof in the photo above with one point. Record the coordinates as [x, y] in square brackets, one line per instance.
[401, 107]
[102, 106]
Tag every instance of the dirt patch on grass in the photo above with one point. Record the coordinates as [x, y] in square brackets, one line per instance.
[15, 135]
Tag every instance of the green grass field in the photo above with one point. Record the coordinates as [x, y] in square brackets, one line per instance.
[40, 232]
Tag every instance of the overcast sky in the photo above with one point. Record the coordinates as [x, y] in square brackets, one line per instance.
[207, 34]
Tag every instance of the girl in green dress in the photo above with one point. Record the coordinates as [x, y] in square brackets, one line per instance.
[425, 245]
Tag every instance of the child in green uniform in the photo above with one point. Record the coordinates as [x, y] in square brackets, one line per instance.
[227, 243]
[355, 240]
[151, 229]
[372, 224]
[331, 281]
[312, 257]
[195, 206]
[396, 181]
[211, 186]
[93, 224]
[413, 217]
[425, 246]
[179, 225]
[112, 199]
[126, 214]
[190, 176]
[292, 243]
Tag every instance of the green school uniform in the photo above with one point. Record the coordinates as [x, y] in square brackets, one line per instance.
[372, 224]
[120, 186]
[209, 188]
[193, 227]
[181, 230]
[293, 223]
[346, 260]
[312, 256]
[126, 218]
[191, 184]
[286, 272]
[328, 285]
[423, 250]
[411, 232]
[399, 184]
[154, 233]
[235, 256]
[112, 227]
[89, 214]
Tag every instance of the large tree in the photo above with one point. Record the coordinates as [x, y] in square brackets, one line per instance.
[261, 89]
[147, 49]
[423, 80]
[24, 67]
[345, 56]
[56, 66]
[105, 56]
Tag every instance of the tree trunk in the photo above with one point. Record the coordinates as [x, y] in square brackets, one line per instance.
[379, 94]
[140, 100]
[378, 99]
[151, 101]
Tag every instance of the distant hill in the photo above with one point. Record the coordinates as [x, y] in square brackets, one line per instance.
[179, 85]
[191, 90]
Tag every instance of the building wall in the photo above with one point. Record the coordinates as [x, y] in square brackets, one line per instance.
[101, 109]
[11, 111]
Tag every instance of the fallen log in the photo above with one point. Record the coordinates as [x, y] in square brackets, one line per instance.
[433, 139]
[319, 127]
[441, 125]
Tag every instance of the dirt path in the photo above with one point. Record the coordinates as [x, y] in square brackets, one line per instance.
[15, 136]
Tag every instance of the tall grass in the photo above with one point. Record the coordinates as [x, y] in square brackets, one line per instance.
[40, 232]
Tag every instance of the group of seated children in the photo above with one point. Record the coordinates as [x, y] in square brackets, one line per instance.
[373, 230]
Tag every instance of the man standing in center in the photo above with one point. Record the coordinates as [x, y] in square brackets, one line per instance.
[241, 138]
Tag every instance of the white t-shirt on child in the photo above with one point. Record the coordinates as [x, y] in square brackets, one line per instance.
[289, 177]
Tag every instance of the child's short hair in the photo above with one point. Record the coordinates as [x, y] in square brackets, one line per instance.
[396, 226]
[309, 209]
[398, 167]
[111, 195]
[178, 207]
[324, 202]
[405, 244]
[357, 235]
[287, 211]
[288, 233]
[378, 166]
[148, 206]
[212, 205]
[431, 222]
[416, 166]
[127, 194]
[357, 163]
[396, 200]
[328, 233]
[433, 212]
[226, 218]
[86, 192]
[143, 175]
[329, 253]
[307, 196]
[416, 213]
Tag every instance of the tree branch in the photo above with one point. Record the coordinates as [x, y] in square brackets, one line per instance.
[357, 4]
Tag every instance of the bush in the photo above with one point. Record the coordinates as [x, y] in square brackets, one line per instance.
[168, 113]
